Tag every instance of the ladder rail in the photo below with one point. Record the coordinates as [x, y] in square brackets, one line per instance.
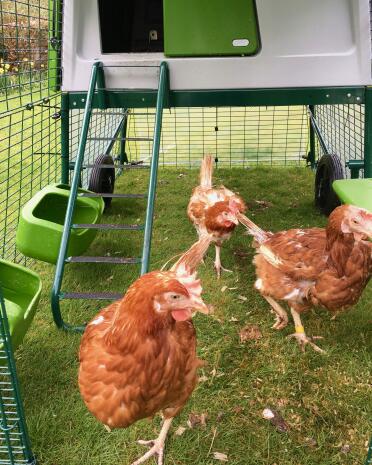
[57, 316]
[163, 89]
[97, 90]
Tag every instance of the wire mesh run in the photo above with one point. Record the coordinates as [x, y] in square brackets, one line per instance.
[29, 110]
[15, 448]
[241, 136]
[342, 129]
[104, 131]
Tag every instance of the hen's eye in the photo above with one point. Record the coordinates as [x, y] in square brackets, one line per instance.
[355, 221]
[175, 296]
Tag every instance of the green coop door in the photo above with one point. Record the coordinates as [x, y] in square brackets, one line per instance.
[210, 27]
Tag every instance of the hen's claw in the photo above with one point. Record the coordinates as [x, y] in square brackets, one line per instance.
[302, 339]
[218, 269]
[156, 448]
[280, 323]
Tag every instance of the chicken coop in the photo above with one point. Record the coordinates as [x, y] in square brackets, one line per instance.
[92, 89]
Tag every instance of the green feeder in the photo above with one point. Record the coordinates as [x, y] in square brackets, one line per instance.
[42, 220]
[355, 192]
[21, 290]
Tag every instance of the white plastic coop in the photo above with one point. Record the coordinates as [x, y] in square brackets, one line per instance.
[303, 43]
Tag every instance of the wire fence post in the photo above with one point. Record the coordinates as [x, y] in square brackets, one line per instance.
[368, 134]
[65, 139]
[311, 154]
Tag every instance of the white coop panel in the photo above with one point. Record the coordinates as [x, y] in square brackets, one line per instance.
[303, 44]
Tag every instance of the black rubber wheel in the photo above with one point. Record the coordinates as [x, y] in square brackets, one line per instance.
[329, 169]
[102, 180]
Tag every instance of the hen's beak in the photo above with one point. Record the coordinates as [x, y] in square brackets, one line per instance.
[200, 306]
[366, 230]
[233, 219]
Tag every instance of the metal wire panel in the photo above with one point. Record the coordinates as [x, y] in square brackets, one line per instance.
[104, 124]
[245, 136]
[342, 128]
[29, 112]
[14, 443]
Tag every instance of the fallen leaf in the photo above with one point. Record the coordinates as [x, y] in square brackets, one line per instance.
[223, 289]
[110, 278]
[242, 297]
[233, 319]
[346, 448]
[220, 456]
[264, 203]
[242, 254]
[197, 420]
[202, 379]
[238, 409]
[181, 175]
[259, 205]
[220, 415]
[250, 332]
[232, 288]
[311, 442]
[276, 420]
[180, 430]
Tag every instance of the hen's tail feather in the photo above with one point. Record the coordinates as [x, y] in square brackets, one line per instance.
[192, 257]
[206, 171]
[259, 234]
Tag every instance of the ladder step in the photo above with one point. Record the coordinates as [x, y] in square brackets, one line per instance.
[129, 227]
[114, 196]
[111, 113]
[91, 295]
[128, 139]
[118, 260]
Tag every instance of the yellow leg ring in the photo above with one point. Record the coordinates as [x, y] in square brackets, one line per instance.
[300, 329]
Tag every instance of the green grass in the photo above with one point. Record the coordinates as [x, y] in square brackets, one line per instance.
[326, 400]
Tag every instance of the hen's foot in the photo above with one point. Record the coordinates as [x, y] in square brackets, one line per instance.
[156, 446]
[302, 339]
[280, 322]
[218, 267]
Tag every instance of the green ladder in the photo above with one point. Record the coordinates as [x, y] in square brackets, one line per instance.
[97, 88]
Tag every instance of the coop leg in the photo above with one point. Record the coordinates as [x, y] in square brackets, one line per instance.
[300, 335]
[281, 317]
[157, 445]
[217, 263]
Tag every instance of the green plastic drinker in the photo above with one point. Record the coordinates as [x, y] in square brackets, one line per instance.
[21, 290]
[42, 218]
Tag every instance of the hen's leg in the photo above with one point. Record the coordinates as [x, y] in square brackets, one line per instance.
[300, 335]
[157, 446]
[217, 263]
[281, 319]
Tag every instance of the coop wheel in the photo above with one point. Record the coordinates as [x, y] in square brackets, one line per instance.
[102, 180]
[329, 169]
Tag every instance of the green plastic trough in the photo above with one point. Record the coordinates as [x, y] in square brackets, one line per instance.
[42, 218]
[355, 191]
[21, 290]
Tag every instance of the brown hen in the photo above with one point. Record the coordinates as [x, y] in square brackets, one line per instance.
[138, 355]
[213, 211]
[314, 267]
